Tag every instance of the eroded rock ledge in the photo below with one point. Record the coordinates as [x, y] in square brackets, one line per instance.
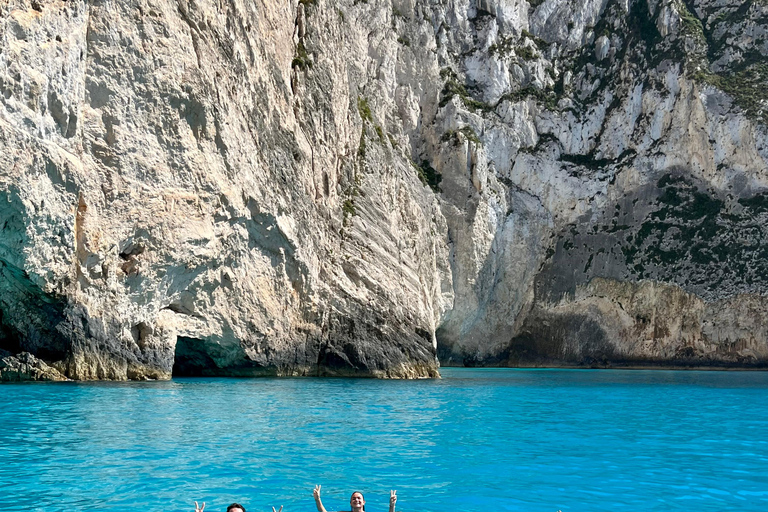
[25, 367]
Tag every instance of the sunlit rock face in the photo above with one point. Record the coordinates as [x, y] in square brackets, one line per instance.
[186, 187]
[228, 187]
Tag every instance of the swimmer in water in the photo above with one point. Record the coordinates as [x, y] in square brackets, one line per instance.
[356, 501]
[235, 507]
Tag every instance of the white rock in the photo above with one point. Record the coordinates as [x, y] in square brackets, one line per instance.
[602, 45]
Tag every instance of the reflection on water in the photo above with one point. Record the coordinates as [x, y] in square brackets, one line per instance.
[523, 440]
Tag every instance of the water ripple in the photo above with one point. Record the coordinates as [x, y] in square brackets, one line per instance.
[514, 440]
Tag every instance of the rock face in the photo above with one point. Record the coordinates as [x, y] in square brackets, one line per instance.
[226, 187]
[25, 366]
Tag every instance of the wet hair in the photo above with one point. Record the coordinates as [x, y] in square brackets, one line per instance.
[235, 505]
[351, 496]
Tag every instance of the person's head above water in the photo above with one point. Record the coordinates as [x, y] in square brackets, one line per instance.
[235, 507]
[357, 501]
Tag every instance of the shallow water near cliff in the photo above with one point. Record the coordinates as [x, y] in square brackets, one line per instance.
[522, 440]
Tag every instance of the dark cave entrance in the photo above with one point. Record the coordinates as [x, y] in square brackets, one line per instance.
[41, 337]
[446, 351]
[192, 358]
[9, 339]
[31, 320]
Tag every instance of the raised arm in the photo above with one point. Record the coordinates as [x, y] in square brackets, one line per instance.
[392, 500]
[318, 503]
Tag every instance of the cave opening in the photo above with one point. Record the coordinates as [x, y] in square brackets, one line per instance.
[9, 339]
[192, 358]
[445, 352]
[40, 337]
[30, 319]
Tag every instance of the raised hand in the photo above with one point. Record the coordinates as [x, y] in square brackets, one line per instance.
[198, 508]
[392, 497]
[281, 509]
[318, 502]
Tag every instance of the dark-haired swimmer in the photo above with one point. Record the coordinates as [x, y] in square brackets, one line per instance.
[356, 501]
[235, 507]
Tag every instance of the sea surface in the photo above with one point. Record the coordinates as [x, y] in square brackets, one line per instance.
[475, 440]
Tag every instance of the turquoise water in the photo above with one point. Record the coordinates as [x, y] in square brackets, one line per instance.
[521, 440]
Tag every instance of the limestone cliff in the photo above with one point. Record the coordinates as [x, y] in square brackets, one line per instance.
[228, 187]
